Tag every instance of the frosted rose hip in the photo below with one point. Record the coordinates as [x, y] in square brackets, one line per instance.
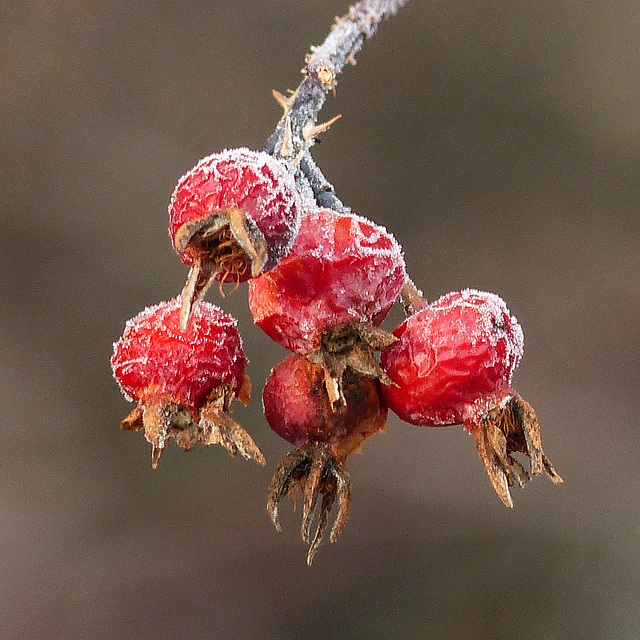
[298, 408]
[342, 268]
[232, 217]
[184, 381]
[460, 347]
[153, 357]
[453, 364]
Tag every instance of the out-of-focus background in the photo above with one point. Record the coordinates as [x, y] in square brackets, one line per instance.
[499, 142]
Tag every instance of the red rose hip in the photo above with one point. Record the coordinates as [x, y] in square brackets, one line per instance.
[453, 364]
[232, 217]
[298, 408]
[328, 296]
[184, 381]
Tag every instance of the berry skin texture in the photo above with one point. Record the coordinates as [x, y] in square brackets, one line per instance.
[184, 382]
[329, 295]
[232, 217]
[298, 408]
[453, 364]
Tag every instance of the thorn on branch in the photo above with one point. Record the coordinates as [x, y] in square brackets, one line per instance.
[287, 141]
[283, 101]
[309, 131]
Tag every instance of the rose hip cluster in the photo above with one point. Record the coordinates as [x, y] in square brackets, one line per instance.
[320, 284]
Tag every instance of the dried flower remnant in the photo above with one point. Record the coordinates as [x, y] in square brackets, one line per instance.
[232, 217]
[328, 296]
[453, 364]
[184, 382]
[297, 407]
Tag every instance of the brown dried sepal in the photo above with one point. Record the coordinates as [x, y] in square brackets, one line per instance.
[510, 427]
[218, 427]
[164, 419]
[351, 345]
[224, 245]
[314, 474]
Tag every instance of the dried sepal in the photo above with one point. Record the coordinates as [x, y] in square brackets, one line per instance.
[351, 345]
[218, 427]
[511, 426]
[320, 478]
[164, 420]
[224, 247]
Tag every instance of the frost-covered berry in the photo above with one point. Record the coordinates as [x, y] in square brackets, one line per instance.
[453, 364]
[184, 382]
[464, 345]
[297, 407]
[232, 217]
[329, 295]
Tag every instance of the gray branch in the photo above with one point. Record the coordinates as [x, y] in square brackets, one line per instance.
[294, 134]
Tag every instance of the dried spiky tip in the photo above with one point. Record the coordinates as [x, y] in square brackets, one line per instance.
[510, 426]
[320, 478]
[351, 345]
[224, 247]
[164, 419]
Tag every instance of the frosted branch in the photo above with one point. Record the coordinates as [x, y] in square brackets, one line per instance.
[297, 128]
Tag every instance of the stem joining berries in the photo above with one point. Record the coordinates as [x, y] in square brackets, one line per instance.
[184, 382]
[298, 408]
[453, 364]
[328, 296]
[232, 217]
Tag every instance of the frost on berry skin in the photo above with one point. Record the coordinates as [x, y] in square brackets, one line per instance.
[328, 296]
[184, 382]
[232, 217]
[298, 408]
[453, 364]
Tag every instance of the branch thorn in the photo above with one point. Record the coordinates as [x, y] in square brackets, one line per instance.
[311, 131]
[287, 140]
[284, 101]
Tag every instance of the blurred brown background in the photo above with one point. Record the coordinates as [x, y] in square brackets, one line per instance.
[499, 141]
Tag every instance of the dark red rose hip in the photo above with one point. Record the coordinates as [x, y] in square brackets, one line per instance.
[232, 217]
[298, 408]
[453, 364]
[184, 382]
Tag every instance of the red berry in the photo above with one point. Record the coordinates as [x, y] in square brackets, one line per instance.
[331, 292]
[184, 382]
[298, 408]
[232, 217]
[453, 364]
[459, 348]
[342, 268]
